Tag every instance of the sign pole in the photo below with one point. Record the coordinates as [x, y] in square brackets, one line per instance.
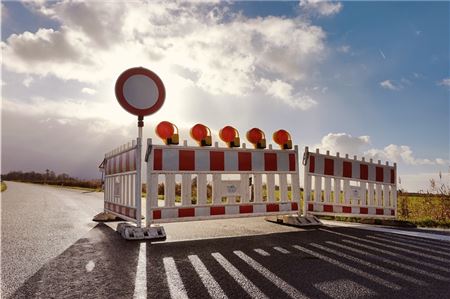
[139, 172]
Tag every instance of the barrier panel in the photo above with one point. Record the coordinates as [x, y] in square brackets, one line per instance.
[122, 182]
[348, 187]
[267, 182]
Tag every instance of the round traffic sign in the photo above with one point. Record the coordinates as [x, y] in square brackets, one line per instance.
[140, 91]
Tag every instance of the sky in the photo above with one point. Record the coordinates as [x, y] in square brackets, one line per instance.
[365, 78]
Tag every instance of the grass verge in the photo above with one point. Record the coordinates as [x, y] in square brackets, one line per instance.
[4, 187]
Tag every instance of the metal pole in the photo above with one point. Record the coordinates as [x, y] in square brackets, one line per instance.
[139, 172]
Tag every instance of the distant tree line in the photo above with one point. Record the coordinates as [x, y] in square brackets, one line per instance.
[49, 177]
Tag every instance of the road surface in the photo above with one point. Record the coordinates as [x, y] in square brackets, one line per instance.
[51, 249]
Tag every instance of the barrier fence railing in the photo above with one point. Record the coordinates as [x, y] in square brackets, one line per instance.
[267, 182]
[335, 185]
[122, 182]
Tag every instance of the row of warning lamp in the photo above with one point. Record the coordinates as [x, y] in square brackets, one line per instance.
[168, 132]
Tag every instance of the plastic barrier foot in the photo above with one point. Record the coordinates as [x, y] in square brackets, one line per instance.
[131, 232]
[295, 220]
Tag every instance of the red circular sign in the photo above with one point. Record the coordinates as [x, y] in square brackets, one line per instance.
[140, 91]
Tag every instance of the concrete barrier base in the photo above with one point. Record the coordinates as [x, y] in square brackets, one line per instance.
[131, 232]
[295, 220]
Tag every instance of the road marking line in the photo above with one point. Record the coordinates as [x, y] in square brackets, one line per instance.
[261, 252]
[388, 261]
[140, 283]
[369, 264]
[248, 286]
[443, 244]
[445, 269]
[393, 247]
[90, 266]
[344, 288]
[280, 283]
[282, 250]
[214, 289]
[409, 245]
[176, 287]
[350, 268]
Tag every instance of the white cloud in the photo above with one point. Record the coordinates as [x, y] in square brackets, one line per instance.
[321, 7]
[209, 47]
[88, 91]
[343, 143]
[344, 49]
[284, 92]
[391, 85]
[445, 82]
[403, 154]
[27, 81]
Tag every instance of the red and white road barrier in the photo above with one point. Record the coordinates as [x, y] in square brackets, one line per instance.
[349, 187]
[122, 178]
[252, 194]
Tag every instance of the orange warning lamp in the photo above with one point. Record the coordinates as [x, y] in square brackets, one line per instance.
[257, 137]
[230, 136]
[201, 134]
[283, 139]
[168, 132]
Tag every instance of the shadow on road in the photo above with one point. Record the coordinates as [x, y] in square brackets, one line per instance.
[98, 266]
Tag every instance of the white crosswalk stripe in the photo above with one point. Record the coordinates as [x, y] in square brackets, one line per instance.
[436, 258]
[261, 252]
[369, 264]
[176, 287]
[214, 289]
[281, 249]
[440, 244]
[406, 258]
[409, 245]
[280, 283]
[350, 268]
[252, 290]
[388, 261]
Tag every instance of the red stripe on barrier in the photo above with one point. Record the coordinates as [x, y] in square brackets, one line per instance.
[245, 161]
[216, 161]
[133, 213]
[380, 212]
[363, 210]
[310, 207]
[217, 211]
[272, 207]
[328, 167]
[347, 169]
[379, 174]
[312, 164]
[127, 211]
[186, 212]
[328, 208]
[186, 160]
[134, 159]
[346, 209]
[246, 209]
[392, 176]
[294, 206]
[157, 159]
[392, 212]
[127, 161]
[270, 161]
[121, 163]
[157, 214]
[364, 171]
[292, 164]
[114, 165]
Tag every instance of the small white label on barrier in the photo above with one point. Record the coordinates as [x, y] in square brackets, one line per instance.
[355, 192]
[230, 188]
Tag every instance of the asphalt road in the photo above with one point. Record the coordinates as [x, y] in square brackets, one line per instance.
[240, 258]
